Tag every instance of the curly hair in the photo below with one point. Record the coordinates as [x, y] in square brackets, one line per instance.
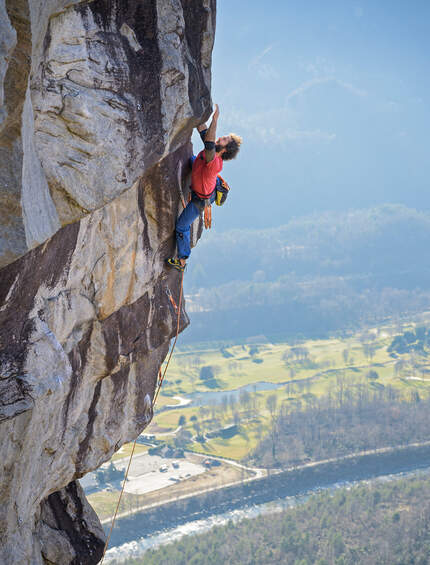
[232, 147]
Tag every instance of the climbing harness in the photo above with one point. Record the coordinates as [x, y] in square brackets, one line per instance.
[161, 376]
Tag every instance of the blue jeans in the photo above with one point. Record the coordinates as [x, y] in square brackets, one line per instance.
[183, 225]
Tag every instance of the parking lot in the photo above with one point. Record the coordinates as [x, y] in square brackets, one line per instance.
[145, 475]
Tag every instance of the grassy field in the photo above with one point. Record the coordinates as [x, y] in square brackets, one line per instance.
[305, 369]
[125, 451]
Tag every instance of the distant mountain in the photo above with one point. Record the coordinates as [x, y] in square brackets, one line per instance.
[313, 275]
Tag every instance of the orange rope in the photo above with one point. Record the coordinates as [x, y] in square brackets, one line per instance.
[174, 343]
[160, 382]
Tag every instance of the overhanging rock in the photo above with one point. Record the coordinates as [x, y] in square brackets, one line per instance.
[100, 99]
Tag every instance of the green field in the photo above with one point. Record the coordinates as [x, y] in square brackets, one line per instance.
[308, 369]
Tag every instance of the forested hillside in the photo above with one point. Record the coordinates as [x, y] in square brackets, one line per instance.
[311, 276]
[352, 417]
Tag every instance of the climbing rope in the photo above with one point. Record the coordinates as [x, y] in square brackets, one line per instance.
[161, 377]
[160, 382]
[119, 501]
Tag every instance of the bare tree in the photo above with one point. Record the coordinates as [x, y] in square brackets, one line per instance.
[196, 427]
[224, 403]
[399, 367]
[271, 403]
[345, 355]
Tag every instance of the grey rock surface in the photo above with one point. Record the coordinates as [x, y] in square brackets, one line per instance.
[15, 55]
[7, 44]
[68, 509]
[108, 89]
[100, 99]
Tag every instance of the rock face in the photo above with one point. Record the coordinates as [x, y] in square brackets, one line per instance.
[99, 99]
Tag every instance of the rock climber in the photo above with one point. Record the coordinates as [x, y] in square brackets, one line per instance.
[206, 185]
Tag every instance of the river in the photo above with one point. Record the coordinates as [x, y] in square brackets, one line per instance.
[137, 548]
[214, 397]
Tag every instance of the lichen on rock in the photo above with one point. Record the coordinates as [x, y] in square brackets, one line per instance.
[99, 101]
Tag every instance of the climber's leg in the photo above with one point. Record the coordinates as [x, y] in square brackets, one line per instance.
[183, 225]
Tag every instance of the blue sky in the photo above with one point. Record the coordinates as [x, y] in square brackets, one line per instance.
[332, 100]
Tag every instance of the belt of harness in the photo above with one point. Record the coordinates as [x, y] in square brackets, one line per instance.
[222, 189]
[161, 376]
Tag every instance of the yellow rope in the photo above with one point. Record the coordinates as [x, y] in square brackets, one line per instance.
[160, 382]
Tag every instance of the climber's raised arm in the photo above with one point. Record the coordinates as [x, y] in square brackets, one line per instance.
[208, 135]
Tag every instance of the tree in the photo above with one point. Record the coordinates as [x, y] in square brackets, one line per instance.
[399, 367]
[337, 543]
[271, 403]
[182, 438]
[367, 350]
[245, 399]
[196, 427]
[232, 402]
[207, 373]
[415, 396]
[286, 356]
[182, 420]
[345, 355]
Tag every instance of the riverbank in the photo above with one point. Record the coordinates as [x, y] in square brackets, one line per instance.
[260, 490]
[302, 526]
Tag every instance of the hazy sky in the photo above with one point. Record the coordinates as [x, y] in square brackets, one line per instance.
[332, 100]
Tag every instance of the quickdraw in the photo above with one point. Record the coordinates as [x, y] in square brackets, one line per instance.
[208, 217]
[172, 300]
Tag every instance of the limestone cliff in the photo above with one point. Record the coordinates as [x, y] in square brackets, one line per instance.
[98, 101]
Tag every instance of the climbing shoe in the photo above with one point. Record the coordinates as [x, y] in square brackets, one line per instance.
[175, 263]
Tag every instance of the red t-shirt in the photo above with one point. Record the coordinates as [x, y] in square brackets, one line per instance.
[203, 175]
